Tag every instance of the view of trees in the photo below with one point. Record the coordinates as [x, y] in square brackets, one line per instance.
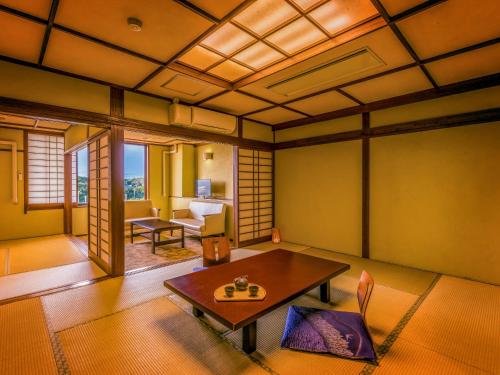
[82, 189]
[134, 188]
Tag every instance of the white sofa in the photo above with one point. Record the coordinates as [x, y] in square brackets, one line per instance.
[139, 210]
[202, 218]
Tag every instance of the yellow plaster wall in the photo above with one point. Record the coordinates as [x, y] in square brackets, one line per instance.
[256, 131]
[182, 171]
[219, 169]
[318, 196]
[146, 108]
[448, 105]
[319, 128]
[159, 179]
[74, 135]
[21, 82]
[435, 201]
[79, 222]
[14, 223]
[77, 134]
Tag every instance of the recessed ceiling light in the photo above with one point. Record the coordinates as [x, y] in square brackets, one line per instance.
[134, 24]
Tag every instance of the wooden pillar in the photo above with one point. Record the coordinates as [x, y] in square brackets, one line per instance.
[117, 215]
[236, 197]
[240, 127]
[365, 243]
[68, 193]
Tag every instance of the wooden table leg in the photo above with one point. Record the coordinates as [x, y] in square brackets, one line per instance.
[324, 291]
[131, 232]
[153, 241]
[196, 312]
[250, 337]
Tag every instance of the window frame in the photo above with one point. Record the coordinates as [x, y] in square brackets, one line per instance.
[74, 154]
[37, 206]
[146, 170]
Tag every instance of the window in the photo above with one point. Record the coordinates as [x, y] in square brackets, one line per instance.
[44, 170]
[80, 177]
[135, 172]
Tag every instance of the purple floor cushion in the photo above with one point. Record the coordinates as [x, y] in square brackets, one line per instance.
[325, 331]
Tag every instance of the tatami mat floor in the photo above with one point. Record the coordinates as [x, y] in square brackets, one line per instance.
[421, 324]
[37, 253]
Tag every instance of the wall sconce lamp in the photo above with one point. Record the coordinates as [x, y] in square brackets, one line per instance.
[208, 155]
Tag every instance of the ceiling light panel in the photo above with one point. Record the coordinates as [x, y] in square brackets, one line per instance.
[200, 58]
[296, 36]
[306, 4]
[337, 15]
[258, 55]
[228, 39]
[230, 70]
[265, 15]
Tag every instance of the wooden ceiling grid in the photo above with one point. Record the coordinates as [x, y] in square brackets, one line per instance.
[173, 63]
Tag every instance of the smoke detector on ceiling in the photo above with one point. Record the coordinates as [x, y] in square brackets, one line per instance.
[134, 24]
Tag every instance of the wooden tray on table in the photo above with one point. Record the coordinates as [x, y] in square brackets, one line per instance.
[239, 295]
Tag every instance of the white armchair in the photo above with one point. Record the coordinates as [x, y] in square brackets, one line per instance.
[202, 219]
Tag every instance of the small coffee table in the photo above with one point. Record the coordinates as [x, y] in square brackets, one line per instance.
[284, 274]
[155, 228]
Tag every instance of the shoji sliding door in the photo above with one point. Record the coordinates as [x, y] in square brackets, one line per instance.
[99, 201]
[255, 195]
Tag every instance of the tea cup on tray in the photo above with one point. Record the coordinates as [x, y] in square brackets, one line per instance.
[254, 290]
[229, 289]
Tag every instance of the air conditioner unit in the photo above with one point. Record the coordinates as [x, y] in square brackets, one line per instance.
[202, 119]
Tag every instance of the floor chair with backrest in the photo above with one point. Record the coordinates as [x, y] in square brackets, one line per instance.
[216, 250]
[341, 333]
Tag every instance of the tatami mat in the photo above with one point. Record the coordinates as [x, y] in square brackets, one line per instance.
[80, 305]
[32, 254]
[153, 338]
[188, 308]
[385, 310]
[412, 359]
[24, 340]
[267, 246]
[406, 279]
[36, 281]
[460, 319]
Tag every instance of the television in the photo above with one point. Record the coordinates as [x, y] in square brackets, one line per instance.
[203, 188]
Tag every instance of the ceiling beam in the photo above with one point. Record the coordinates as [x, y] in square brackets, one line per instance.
[273, 103]
[390, 71]
[194, 42]
[451, 89]
[21, 14]
[414, 10]
[52, 112]
[351, 34]
[378, 5]
[48, 29]
[449, 121]
[198, 11]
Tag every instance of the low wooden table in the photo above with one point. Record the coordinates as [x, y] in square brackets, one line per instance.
[284, 274]
[155, 228]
